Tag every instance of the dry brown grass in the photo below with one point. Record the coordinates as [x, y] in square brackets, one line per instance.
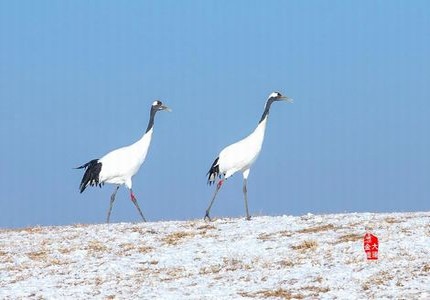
[205, 231]
[127, 247]
[172, 273]
[177, 237]
[96, 246]
[381, 278]
[153, 272]
[305, 246]
[206, 227]
[5, 257]
[213, 269]
[399, 283]
[392, 220]
[43, 257]
[233, 264]
[319, 279]
[36, 229]
[285, 233]
[278, 293]
[265, 236]
[309, 292]
[142, 230]
[79, 225]
[19, 278]
[315, 291]
[285, 263]
[273, 236]
[366, 286]
[59, 262]
[350, 238]
[317, 229]
[426, 268]
[65, 250]
[138, 229]
[40, 255]
[145, 249]
[227, 265]
[32, 229]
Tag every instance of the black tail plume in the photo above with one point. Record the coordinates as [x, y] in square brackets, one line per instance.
[91, 175]
[213, 172]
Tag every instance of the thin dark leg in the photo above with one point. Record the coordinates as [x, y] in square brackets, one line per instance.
[245, 194]
[112, 199]
[133, 198]
[218, 186]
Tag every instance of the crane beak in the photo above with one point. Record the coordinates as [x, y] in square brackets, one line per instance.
[164, 107]
[287, 99]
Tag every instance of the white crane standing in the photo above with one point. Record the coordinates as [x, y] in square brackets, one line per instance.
[241, 155]
[120, 165]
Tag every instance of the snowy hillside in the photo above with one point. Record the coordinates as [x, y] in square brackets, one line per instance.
[286, 257]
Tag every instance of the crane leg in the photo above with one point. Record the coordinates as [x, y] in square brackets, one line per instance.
[112, 199]
[245, 195]
[218, 186]
[134, 200]
[245, 192]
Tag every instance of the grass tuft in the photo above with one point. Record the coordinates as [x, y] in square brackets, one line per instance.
[305, 245]
[278, 293]
[317, 229]
[177, 237]
[350, 237]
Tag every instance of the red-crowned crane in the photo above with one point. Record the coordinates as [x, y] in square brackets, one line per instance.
[241, 155]
[119, 166]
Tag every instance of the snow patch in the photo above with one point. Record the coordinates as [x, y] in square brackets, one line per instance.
[308, 257]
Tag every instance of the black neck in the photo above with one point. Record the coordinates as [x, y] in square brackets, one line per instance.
[266, 109]
[151, 119]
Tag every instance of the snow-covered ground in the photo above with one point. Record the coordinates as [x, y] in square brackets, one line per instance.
[307, 257]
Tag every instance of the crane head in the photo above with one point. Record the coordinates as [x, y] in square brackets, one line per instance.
[157, 105]
[277, 96]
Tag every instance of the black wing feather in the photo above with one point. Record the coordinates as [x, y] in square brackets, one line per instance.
[91, 175]
[213, 172]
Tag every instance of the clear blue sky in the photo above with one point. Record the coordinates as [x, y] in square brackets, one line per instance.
[77, 79]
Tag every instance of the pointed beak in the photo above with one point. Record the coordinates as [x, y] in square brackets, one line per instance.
[164, 107]
[287, 99]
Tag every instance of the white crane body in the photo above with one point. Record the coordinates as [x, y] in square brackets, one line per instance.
[241, 155]
[119, 166]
